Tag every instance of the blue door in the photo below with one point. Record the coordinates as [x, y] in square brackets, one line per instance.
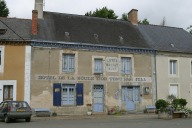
[98, 98]
[128, 97]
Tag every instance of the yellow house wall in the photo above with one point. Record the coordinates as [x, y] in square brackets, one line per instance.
[14, 65]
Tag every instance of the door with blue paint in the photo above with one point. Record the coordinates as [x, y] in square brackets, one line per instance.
[130, 95]
[98, 98]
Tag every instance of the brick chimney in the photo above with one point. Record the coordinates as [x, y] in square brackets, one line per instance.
[132, 16]
[34, 22]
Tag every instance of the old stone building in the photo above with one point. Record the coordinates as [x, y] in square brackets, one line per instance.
[80, 62]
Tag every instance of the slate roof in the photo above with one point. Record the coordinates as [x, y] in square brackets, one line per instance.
[162, 38]
[17, 29]
[91, 30]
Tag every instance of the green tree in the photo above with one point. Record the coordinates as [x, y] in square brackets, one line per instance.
[103, 13]
[190, 29]
[145, 21]
[4, 11]
[124, 16]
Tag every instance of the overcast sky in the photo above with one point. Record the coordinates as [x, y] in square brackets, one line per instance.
[177, 13]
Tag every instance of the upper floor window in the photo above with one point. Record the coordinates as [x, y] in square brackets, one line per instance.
[126, 65]
[68, 63]
[173, 67]
[98, 65]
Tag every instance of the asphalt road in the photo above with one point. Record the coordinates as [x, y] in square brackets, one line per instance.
[101, 123]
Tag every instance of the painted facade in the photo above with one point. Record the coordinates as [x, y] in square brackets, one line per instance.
[14, 72]
[174, 76]
[104, 85]
[173, 60]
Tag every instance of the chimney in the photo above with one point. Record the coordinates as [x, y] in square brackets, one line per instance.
[132, 16]
[39, 8]
[34, 22]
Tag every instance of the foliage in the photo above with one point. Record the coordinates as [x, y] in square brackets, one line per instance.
[4, 11]
[145, 21]
[190, 29]
[124, 17]
[116, 111]
[179, 103]
[161, 104]
[171, 97]
[103, 13]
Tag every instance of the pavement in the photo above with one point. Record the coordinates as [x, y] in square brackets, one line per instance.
[77, 117]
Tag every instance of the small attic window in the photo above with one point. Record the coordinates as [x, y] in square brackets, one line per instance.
[67, 36]
[172, 45]
[121, 40]
[96, 37]
[66, 33]
[3, 31]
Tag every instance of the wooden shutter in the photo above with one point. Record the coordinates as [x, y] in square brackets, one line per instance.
[79, 96]
[57, 94]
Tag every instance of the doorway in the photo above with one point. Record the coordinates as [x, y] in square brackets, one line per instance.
[130, 95]
[98, 98]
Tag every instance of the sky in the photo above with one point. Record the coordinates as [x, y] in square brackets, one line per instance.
[177, 13]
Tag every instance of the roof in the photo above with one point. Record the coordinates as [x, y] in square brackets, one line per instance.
[84, 29]
[17, 29]
[162, 38]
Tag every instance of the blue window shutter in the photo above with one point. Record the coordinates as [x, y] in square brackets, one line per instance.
[79, 96]
[56, 94]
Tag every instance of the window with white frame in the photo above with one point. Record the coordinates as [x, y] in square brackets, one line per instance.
[68, 63]
[126, 65]
[173, 90]
[173, 67]
[98, 65]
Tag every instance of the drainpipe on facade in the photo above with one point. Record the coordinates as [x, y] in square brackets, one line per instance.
[155, 55]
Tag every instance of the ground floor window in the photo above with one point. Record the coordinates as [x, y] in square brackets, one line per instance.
[8, 92]
[173, 90]
[67, 94]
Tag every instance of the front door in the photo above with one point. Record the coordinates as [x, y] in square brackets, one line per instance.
[68, 95]
[98, 98]
[130, 95]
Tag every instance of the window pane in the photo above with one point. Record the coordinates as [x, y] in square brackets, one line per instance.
[173, 67]
[98, 66]
[68, 63]
[173, 90]
[126, 65]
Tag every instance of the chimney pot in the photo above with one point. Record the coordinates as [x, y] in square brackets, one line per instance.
[34, 22]
[132, 16]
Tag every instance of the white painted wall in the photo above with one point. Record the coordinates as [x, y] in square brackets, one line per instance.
[183, 79]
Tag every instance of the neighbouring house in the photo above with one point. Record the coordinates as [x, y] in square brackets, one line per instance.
[80, 62]
[15, 59]
[173, 60]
